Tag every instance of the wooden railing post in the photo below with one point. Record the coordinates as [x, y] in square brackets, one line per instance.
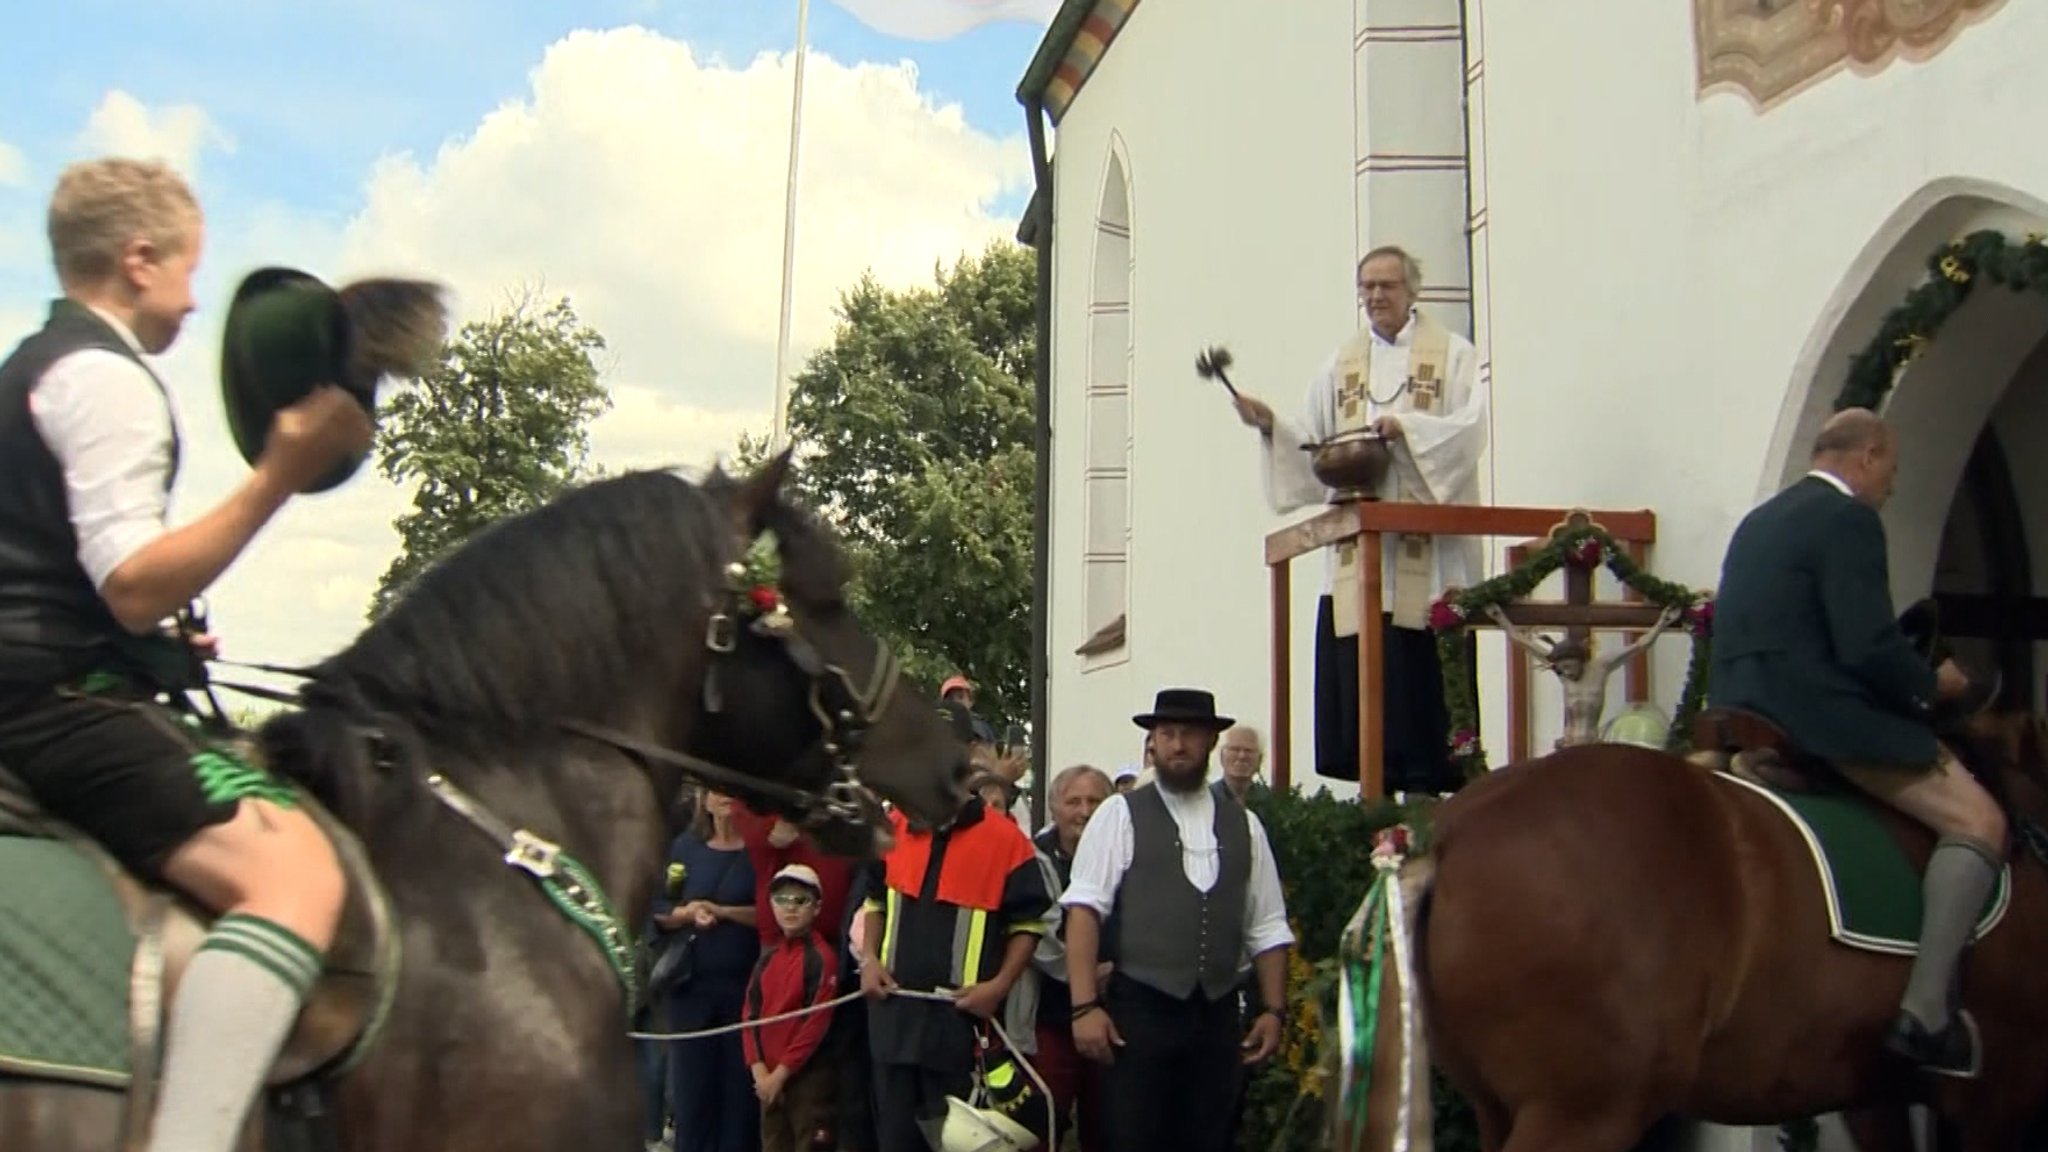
[1283, 669]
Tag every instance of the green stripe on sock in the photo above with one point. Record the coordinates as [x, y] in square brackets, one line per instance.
[261, 959]
[298, 962]
[281, 942]
[287, 962]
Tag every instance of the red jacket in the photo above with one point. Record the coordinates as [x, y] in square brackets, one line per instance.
[795, 973]
[834, 872]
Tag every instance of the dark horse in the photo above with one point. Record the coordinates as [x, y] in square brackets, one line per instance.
[496, 755]
[1609, 936]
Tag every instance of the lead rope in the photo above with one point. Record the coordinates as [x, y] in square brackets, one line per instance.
[1052, 1122]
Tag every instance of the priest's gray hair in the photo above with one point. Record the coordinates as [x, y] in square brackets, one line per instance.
[1411, 268]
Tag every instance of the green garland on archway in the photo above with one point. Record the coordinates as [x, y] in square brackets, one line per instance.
[1958, 269]
[1581, 546]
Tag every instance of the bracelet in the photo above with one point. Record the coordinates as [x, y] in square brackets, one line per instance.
[1279, 1014]
[1081, 1010]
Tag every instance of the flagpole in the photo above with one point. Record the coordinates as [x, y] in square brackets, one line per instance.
[779, 438]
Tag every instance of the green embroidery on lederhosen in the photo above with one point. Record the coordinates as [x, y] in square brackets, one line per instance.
[227, 779]
[100, 682]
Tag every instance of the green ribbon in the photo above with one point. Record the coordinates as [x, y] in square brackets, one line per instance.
[1362, 977]
[583, 901]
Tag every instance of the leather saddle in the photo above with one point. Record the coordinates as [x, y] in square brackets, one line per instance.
[1751, 746]
[343, 1014]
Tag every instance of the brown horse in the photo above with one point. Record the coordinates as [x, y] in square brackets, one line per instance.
[496, 755]
[1610, 936]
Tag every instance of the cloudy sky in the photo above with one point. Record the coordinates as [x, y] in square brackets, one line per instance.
[627, 153]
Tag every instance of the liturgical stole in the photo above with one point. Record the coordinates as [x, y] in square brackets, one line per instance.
[1414, 556]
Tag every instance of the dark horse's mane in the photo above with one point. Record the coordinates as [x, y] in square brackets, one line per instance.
[544, 617]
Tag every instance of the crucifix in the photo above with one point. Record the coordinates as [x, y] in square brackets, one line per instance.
[1570, 657]
[1583, 677]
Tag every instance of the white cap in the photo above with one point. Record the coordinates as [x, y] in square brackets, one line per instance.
[1127, 772]
[799, 874]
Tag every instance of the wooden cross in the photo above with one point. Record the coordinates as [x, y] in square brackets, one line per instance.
[1580, 616]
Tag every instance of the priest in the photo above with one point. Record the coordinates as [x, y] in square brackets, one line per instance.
[1417, 384]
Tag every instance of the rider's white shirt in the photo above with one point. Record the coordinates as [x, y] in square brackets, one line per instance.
[1105, 851]
[107, 423]
[1840, 484]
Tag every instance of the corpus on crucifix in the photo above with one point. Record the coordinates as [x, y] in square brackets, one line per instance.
[1583, 677]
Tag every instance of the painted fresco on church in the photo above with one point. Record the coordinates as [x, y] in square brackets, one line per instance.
[1771, 48]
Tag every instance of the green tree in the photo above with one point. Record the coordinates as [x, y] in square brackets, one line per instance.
[915, 439]
[497, 428]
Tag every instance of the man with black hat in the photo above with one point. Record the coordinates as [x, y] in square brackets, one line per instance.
[89, 573]
[1176, 885]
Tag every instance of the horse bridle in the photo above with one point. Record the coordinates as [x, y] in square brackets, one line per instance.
[845, 711]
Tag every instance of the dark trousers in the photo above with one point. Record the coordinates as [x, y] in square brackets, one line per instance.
[653, 1071]
[801, 1119]
[1173, 1086]
[1076, 1085]
[1415, 725]
[908, 1093]
[715, 1106]
[846, 1046]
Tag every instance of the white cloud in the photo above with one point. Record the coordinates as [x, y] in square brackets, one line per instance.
[13, 166]
[175, 134]
[639, 180]
[649, 186]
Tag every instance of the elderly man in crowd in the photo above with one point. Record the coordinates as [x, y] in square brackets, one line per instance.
[1241, 753]
[1076, 1086]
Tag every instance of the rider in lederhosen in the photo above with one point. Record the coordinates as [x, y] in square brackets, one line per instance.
[89, 573]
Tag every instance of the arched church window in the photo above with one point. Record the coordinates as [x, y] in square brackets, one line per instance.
[1107, 487]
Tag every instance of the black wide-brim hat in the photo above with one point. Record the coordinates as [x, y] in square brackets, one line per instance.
[1183, 706]
[287, 332]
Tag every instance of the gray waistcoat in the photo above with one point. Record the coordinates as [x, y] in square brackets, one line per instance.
[1164, 932]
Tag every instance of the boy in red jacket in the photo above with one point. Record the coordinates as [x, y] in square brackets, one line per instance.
[801, 970]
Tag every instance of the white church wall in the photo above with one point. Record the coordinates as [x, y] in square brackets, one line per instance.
[1242, 234]
[1663, 273]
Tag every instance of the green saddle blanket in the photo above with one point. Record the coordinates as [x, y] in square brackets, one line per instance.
[65, 955]
[1872, 887]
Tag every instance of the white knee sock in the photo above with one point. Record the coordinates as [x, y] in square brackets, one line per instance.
[236, 1004]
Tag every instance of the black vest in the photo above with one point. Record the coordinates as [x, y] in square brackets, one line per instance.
[1164, 932]
[53, 624]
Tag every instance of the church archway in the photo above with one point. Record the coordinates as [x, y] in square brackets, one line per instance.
[1955, 284]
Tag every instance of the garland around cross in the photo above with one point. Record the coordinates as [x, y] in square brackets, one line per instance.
[1584, 546]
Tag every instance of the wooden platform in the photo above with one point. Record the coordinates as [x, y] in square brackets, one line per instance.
[1367, 521]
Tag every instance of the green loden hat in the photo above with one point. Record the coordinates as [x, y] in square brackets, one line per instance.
[287, 332]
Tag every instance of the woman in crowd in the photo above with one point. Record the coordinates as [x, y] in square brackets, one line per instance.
[712, 916]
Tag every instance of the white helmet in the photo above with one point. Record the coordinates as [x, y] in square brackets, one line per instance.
[966, 1128]
[1643, 725]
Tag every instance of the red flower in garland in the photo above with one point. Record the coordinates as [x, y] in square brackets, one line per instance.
[1587, 553]
[1464, 742]
[1700, 617]
[764, 598]
[1445, 617]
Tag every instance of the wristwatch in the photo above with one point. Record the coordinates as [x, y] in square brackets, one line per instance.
[1279, 1014]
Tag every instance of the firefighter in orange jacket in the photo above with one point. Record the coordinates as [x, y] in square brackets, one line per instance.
[960, 909]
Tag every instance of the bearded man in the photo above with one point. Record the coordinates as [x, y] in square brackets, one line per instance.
[1176, 886]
